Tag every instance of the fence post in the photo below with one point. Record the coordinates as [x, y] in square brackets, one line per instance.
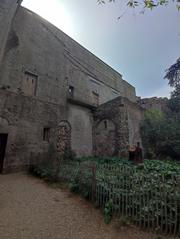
[93, 182]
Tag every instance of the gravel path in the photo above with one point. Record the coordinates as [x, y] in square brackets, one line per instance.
[30, 209]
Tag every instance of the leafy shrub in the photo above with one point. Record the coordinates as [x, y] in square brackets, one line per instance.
[124, 221]
[74, 186]
[69, 155]
[104, 160]
[151, 185]
[81, 180]
[160, 135]
[44, 169]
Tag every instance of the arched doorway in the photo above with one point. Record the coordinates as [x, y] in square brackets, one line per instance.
[3, 141]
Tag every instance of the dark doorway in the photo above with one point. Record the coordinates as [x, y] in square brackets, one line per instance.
[3, 142]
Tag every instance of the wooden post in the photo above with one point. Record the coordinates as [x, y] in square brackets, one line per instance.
[93, 182]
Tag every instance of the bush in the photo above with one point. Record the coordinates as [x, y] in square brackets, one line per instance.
[44, 170]
[160, 135]
[74, 186]
[69, 155]
[81, 181]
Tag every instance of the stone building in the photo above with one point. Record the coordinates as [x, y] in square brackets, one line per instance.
[157, 103]
[56, 95]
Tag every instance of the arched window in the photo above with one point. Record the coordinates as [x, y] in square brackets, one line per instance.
[64, 136]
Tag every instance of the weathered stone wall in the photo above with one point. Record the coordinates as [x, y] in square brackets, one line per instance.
[135, 115]
[86, 74]
[36, 46]
[105, 138]
[7, 11]
[126, 117]
[30, 48]
[38, 66]
[23, 119]
[158, 103]
[113, 111]
[86, 68]
[80, 119]
[129, 93]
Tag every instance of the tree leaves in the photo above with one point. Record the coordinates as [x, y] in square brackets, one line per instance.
[173, 73]
[161, 135]
[173, 76]
[145, 4]
[132, 4]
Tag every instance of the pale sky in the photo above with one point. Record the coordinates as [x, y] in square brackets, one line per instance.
[139, 46]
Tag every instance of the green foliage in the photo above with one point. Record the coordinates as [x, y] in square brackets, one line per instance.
[74, 186]
[147, 177]
[81, 180]
[103, 160]
[149, 186]
[108, 211]
[160, 135]
[144, 4]
[174, 105]
[161, 167]
[44, 172]
[154, 116]
[69, 155]
[151, 170]
[173, 74]
[174, 102]
[124, 221]
[147, 190]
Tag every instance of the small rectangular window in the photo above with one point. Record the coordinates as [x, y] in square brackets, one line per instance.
[29, 83]
[46, 134]
[71, 91]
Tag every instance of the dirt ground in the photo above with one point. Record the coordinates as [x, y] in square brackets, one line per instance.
[30, 209]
